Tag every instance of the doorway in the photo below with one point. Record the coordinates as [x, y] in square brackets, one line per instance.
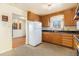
[18, 31]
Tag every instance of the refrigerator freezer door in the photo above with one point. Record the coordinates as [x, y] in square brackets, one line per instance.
[35, 33]
[31, 34]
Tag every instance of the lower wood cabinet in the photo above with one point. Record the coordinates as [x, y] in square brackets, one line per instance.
[52, 37]
[47, 37]
[67, 40]
[58, 38]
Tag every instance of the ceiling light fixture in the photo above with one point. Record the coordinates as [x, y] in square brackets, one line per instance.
[49, 6]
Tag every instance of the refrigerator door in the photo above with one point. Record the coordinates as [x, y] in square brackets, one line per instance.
[38, 36]
[38, 33]
[35, 33]
[31, 34]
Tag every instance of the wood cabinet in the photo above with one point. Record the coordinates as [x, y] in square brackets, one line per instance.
[58, 38]
[47, 37]
[68, 17]
[67, 40]
[32, 17]
[45, 21]
[52, 37]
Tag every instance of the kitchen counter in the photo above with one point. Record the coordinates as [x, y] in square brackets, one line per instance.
[66, 37]
[63, 31]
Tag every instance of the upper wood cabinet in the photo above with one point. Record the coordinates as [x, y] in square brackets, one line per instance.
[45, 21]
[32, 17]
[68, 17]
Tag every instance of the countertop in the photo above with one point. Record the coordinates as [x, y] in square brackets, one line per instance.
[74, 33]
[62, 31]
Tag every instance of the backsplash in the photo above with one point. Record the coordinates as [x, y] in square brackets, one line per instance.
[66, 28]
[70, 28]
[46, 28]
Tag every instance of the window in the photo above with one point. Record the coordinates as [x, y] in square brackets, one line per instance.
[57, 22]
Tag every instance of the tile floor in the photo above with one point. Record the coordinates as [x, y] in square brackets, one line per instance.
[44, 49]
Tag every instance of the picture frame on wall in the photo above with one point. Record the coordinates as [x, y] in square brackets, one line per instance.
[5, 18]
[19, 25]
[15, 26]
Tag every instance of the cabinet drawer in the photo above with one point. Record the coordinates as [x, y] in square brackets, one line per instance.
[67, 39]
[68, 35]
[69, 44]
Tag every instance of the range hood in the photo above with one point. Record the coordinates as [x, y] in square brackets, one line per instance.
[77, 13]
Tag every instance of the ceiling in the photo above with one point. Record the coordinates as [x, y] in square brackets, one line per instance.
[42, 9]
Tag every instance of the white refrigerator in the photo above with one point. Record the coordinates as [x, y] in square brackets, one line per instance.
[35, 33]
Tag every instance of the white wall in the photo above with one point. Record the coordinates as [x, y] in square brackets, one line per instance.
[19, 32]
[6, 27]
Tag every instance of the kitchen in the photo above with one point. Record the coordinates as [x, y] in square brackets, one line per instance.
[66, 34]
[51, 29]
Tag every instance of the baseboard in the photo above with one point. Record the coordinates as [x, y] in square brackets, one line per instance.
[19, 37]
[5, 50]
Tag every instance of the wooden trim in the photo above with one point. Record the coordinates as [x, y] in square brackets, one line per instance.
[19, 37]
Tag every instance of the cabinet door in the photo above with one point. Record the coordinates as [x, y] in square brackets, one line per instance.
[69, 16]
[45, 21]
[47, 37]
[57, 38]
[67, 40]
